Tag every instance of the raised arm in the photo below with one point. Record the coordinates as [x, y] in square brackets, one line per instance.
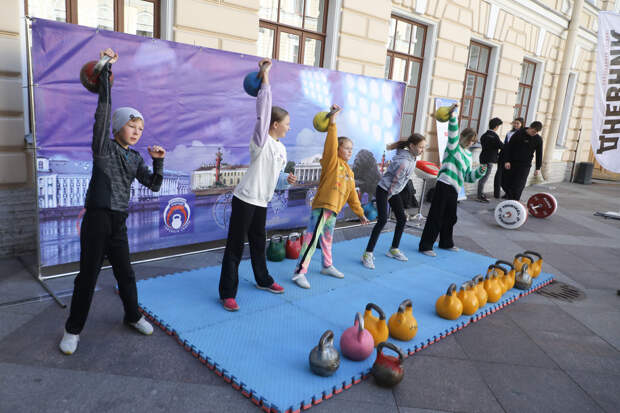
[329, 161]
[152, 180]
[263, 106]
[101, 128]
[453, 132]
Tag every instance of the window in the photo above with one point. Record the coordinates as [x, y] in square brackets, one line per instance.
[293, 30]
[139, 17]
[524, 94]
[475, 83]
[404, 60]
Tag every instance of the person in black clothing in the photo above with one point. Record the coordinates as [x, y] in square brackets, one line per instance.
[491, 144]
[517, 123]
[518, 154]
[103, 231]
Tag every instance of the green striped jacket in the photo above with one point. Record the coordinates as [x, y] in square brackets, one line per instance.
[456, 163]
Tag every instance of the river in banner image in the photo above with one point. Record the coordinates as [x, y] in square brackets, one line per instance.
[60, 242]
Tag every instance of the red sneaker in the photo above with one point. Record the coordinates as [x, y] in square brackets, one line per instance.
[230, 304]
[274, 288]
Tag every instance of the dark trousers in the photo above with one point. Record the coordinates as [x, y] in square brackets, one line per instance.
[408, 196]
[516, 177]
[497, 182]
[396, 203]
[441, 218]
[484, 179]
[245, 219]
[103, 233]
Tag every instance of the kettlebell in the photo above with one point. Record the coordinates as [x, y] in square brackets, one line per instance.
[448, 306]
[89, 74]
[275, 250]
[403, 325]
[388, 370]
[356, 343]
[481, 293]
[376, 326]
[293, 246]
[521, 259]
[324, 359]
[536, 264]
[443, 113]
[321, 120]
[370, 211]
[498, 274]
[251, 83]
[493, 289]
[468, 298]
[523, 279]
[509, 274]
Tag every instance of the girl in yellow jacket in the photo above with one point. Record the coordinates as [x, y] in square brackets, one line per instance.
[336, 187]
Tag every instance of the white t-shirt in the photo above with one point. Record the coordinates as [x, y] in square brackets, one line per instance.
[259, 182]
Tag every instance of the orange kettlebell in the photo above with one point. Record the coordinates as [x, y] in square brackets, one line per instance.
[521, 259]
[536, 264]
[481, 293]
[448, 306]
[403, 325]
[468, 298]
[377, 326]
[508, 279]
[492, 287]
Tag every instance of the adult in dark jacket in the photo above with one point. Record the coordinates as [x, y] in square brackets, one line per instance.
[517, 123]
[518, 155]
[491, 144]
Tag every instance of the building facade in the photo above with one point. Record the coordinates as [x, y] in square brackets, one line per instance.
[532, 58]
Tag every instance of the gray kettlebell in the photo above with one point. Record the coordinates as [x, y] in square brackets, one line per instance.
[324, 359]
[523, 279]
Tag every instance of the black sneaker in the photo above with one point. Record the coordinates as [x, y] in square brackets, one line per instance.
[483, 199]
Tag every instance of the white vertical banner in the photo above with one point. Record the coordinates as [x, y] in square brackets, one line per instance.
[442, 135]
[606, 111]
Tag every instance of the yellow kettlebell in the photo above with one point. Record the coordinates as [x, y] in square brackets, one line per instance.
[536, 264]
[499, 273]
[481, 293]
[492, 287]
[468, 298]
[321, 120]
[443, 113]
[403, 325]
[521, 259]
[377, 326]
[448, 306]
[508, 279]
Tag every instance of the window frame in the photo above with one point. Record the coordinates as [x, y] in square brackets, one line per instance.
[524, 86]
[71, 7]
[477, 75]
[301, 32]
[408, 58]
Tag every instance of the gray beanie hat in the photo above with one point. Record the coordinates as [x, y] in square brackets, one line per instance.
[123, 115]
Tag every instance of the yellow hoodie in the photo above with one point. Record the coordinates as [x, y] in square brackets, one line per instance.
[337, 184]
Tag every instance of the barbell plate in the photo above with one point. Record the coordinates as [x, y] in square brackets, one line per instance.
[542, 205]
[510, 214]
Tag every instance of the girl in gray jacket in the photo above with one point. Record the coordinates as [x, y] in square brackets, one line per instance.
[388, 191]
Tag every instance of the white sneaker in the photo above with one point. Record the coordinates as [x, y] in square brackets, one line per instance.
[430, 253]
[301, 280]
[69, 343]
[331, 270]
[368, 260]
[143, 326]
[395, 253]
[453, 248]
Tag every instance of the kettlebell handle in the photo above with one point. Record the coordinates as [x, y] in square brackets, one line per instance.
[360, 322]
[326, 339]
[498, 262]
[293, 235]
[373, 306]
[451, 289]
[393, 347]
[101, 63]
[276, 238]
[478, 279]
[491, 267]
[404, 305]
[528, 252]
[525, 256]
[331, 113]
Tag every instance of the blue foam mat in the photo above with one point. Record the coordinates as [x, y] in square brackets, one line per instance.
[263, 348]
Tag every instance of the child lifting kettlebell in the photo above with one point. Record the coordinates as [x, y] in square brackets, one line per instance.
[336, 187]
[389, 191]
[455, 170]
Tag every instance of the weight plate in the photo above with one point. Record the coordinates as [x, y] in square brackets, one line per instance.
[426, 170]
[542, 205]
[510, 214]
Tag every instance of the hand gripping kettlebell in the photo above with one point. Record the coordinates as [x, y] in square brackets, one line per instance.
[448, 306]
[89, 74]
[293, 246]
[388, 370]
[275, 251]
[321, 120]
[403, 325]
[376, 326]
[356, 343]
[252, 82]
[324, 359]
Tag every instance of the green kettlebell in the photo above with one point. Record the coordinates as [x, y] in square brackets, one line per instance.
[276, 251]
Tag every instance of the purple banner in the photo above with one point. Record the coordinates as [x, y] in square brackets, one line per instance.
[194, 105]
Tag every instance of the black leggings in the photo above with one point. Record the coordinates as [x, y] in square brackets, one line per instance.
[396, 203]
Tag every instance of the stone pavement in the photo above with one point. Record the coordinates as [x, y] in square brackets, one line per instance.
[538, 354]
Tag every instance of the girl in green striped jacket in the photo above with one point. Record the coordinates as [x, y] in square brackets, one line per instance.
[455, 169]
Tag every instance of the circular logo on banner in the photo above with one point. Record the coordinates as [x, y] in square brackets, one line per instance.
[176, 215]
[221, 210]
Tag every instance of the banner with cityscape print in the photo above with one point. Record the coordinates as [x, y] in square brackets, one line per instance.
[194, 105]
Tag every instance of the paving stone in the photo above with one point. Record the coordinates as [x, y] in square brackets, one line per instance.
[546, 317]
[533, 389]
[446, 347]
[604, 388]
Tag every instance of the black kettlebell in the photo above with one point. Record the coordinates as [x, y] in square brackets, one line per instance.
[276, 250]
